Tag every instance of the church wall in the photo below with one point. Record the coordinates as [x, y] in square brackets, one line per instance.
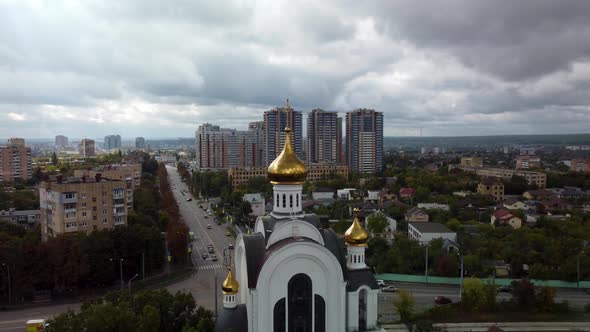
[301, 257]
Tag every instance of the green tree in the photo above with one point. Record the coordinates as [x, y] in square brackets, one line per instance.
[473, 294]
[150, 319]
[54, 160]
[545, 299]
[377, 223]
[523, 292]
[404, 305]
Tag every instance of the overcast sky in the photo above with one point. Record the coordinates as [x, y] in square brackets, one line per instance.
[160, 68]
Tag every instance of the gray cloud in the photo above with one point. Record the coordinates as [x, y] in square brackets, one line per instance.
[161, 69]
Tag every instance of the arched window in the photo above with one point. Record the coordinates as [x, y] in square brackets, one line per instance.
[300, 303]
[278, 316]
[297, 200]
[363, 310]
[284, 200]
[278, 201]
[319, 314]
[291, 201]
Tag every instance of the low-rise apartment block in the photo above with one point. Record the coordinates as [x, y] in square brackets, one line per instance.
[15, 161]
[130, 173]
[538, 178]
[493, 187]
[21, 217]
[81, 205]
[472, 161]
[528, 162]
[241, 176]
[424, 232]
[580, 165]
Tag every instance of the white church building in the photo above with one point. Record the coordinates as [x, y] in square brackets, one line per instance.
[294, 275]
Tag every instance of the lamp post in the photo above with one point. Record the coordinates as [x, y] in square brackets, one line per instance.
[460, 255]
[129, 283]
[120, 271]
[426, 264]
[578, 267]
[9, 285]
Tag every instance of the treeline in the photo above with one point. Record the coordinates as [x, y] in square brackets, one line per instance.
[145, 311]
[176, 230]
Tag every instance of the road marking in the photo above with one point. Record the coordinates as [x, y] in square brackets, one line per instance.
[211, 267]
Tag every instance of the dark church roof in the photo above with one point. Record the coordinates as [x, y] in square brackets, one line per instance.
[234, 319]
[270, 222]
[358, 278]
[255, 248]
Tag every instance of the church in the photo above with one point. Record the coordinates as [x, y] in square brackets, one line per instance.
[294, 275]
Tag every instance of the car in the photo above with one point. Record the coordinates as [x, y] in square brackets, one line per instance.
[228, 233]
[505, 289]
[208, 226]
[230, 246]
[211, 250]
[380, 283]
[204, 255]
[214, 258]
[442, 300]
[206, 217]
[189, 199]
[389, 289]
[191, 236]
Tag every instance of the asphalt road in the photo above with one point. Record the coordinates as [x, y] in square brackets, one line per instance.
[202, 285]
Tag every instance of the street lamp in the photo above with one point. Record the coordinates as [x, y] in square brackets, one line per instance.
[129, 283]
[426, 264]
[9, 286]
[120, 271]
[578, 269]
[460, 255]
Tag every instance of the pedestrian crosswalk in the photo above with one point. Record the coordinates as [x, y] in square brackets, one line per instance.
[211, 267]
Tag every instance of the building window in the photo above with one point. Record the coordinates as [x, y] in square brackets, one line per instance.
[84, 214]
[291, 201]
[104, 220]
[94, 199]
[69, 195]
[83, 195]
[297, 200]
[83, 204]
[104, 203]
[284, 200]
[70, 215]
[84, 224]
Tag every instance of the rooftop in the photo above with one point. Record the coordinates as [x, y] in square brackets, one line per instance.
[430, 227]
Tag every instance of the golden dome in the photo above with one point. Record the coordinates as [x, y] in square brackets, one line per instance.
[230, 285]
[287, 168]
[355, 235]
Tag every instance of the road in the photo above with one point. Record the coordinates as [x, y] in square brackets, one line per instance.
[202, 285]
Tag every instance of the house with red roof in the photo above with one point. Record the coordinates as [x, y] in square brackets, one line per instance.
[407, 192]
[505, 217]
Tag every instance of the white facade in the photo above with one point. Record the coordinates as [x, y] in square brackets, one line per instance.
[414, 233]
[322, 195]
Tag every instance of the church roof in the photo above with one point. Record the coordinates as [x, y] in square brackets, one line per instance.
[232, 319]
[358, 278]
[255, 247]
[270, 222]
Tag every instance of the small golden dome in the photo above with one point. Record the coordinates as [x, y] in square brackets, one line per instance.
[355, 235]
[287, 168]
[230, 285]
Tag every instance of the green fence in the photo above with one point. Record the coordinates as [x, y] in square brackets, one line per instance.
[456, 281]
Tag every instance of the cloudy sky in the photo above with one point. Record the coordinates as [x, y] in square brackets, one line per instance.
[160, 68]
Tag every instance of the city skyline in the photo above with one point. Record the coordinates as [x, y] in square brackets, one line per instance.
[442, 76]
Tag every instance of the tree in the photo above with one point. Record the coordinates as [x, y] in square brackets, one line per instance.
[546, 299]
[404, 305]
[54, 159]
[377, 223]
[473, 294]
[446, 266]
[150, 319]
[523, 292]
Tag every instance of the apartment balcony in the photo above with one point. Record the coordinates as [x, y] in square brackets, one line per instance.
[64, 199]
[72, 228]
[66, 211]
[119, 212]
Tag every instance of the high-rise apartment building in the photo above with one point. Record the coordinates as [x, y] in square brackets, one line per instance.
[364, 141]
[140, 143]
[61, 141]
[324, 137]
[15, 161]
[528, 162]
[275, 122]
[222, 148]
[87, 147]
[81, 205]
[112, 142]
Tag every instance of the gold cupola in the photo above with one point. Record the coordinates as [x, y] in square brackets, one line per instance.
[355, 235]
[230, 285]
[287, 168]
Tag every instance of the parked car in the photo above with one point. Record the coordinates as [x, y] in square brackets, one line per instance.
[228, 233]
[189, 199]
[206, 217]
[380, 283]
[204, 255]
[191, 235]
[389, 289]
[442, 300]
[211, 250]
[208, 226]
[214, 258]
[505, 289]
[230, 246]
